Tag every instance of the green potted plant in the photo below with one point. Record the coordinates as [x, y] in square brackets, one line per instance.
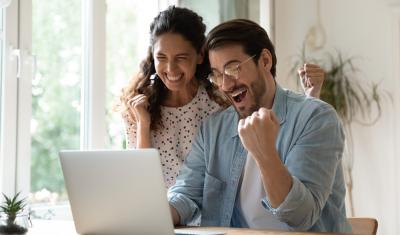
[354, 99]
[13, 220]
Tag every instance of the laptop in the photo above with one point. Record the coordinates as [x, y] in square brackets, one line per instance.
[118, 192]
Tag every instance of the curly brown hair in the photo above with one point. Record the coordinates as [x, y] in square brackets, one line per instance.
[189, 25]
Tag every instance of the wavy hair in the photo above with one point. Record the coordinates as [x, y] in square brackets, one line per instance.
[190, 26]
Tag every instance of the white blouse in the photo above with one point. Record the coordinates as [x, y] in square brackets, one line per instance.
[174, 141]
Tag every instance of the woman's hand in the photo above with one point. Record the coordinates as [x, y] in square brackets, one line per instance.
[138, 108]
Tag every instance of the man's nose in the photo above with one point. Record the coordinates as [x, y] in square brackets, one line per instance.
[227, 83]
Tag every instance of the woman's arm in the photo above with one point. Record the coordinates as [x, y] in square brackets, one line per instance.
[138, 122]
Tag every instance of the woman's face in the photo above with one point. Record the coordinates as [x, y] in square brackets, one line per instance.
[175, 61]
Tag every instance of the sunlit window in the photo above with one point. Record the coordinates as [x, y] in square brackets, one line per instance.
[56, 88]
[128, 23]
[56, 91]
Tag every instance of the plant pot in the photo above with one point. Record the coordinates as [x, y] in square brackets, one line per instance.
[14, 224]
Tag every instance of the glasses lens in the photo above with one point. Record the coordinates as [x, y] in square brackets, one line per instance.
[215, 78]
[232, 71]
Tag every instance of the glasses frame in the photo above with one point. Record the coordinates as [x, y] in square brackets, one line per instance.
[233, 72]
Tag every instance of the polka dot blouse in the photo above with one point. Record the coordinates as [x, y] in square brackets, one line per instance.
[180, 127]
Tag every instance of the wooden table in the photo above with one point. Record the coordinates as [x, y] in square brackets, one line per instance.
[246, 231]
[49, 227]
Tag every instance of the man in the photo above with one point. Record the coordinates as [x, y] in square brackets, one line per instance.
[279, 166]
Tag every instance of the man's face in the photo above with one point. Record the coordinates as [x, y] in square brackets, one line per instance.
[253, 86]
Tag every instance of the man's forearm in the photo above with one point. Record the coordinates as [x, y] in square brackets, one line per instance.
[276, 179]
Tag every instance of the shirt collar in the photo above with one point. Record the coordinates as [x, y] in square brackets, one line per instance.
[280, 102]
[278, 107]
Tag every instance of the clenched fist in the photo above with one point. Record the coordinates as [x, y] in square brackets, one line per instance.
[259, 132]
[138, 107]
[311, 79]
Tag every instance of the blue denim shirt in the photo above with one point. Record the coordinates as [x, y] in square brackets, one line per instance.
[310, 143]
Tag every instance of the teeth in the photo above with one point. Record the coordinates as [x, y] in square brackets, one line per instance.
[172, 78]
[238, 91]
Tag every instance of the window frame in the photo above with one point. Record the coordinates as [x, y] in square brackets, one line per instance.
[8, 151]
[24, 94]
[93, 99]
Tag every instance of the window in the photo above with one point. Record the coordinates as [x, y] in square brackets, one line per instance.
[214, 12]
[56, 94]
[72, 59]
[128, 23]
[9, 66]
[62, 34]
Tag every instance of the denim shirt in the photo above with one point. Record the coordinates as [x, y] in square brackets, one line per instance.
[310, 143]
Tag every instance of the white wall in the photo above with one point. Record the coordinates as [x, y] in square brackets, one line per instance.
[369, 29]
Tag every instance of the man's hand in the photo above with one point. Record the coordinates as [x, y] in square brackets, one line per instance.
[258, 133]
[311, 79]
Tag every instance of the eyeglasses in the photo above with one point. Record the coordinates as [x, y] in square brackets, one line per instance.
[231, 71]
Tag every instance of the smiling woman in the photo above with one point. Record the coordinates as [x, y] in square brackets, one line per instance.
[165, 112]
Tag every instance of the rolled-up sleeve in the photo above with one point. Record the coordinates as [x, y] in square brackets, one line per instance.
[299, 199]
[312, 162]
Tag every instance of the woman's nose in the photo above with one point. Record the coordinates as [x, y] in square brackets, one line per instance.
[171, 66]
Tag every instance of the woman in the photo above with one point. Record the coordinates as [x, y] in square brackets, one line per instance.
[166, 102]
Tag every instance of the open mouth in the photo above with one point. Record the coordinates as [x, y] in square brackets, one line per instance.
[239, 94]
[174, 78]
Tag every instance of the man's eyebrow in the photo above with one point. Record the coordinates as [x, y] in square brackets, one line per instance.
[227, 63]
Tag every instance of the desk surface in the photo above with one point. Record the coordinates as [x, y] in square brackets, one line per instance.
[245, 231]
[46, 227]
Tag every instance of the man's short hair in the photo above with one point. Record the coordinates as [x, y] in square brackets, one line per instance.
[243, 32]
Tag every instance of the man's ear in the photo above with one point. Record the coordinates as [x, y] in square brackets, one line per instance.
[266, 59]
